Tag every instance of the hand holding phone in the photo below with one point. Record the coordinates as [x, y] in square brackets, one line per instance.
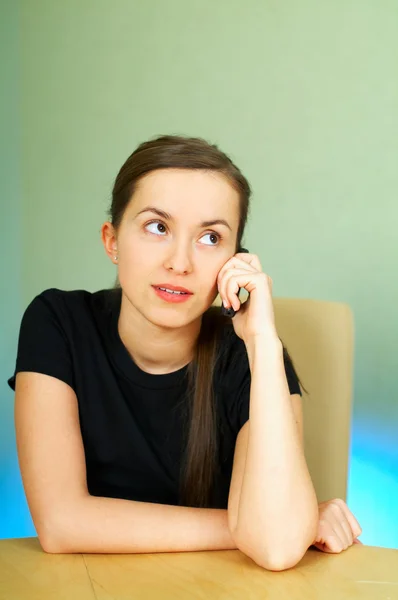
[230, 312]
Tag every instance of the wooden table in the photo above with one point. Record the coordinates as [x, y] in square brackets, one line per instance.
[26, 572]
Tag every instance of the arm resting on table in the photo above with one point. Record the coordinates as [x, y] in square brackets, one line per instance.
[112, 525]
[273, 510]
[66, 517]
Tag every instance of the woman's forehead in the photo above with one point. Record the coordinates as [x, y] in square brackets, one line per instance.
[164, 180]
[202, 194]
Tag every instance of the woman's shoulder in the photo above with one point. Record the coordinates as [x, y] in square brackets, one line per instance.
[56, 294]
[59, 308]
[60, 298]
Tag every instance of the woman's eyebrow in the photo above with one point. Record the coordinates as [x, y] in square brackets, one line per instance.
[166, 216]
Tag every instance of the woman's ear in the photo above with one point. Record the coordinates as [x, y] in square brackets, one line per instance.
[108, 236]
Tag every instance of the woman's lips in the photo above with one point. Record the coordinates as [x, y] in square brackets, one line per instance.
[170, 286]
[170, 297]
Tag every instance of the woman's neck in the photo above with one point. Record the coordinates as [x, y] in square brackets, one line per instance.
[153, 349]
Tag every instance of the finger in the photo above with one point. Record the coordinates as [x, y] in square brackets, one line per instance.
[232, 283]
[330, 549]
[320, 546]
[340, 523]
[330, 531]
[356, 541]
[339, 534]
[230, 267]
[227, 276]
[332, 542]
[345, 532]
[251, 259]
[249, 281]
[251, 262]
[355, 526]
[223, 285]
[343, 524]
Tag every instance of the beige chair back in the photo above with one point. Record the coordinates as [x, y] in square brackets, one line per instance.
[319, 336]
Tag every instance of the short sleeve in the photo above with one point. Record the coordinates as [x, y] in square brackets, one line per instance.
[243, 399]
[42, 343]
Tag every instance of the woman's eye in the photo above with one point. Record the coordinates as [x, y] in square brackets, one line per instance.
[214, 236]
[157, 224]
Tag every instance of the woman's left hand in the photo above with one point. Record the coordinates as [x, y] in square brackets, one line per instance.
[337, 527]
[255, 316]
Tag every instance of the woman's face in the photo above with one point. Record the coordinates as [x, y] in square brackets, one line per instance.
[180, 248]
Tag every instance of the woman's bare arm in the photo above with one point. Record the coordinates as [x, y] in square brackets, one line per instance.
[67, 518]
[111, 525]
[277, 515]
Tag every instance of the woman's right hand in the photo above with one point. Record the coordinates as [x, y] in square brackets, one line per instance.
[337, 527]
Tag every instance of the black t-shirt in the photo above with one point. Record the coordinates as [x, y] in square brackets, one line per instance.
[132, 422]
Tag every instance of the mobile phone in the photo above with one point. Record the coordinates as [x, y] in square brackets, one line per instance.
[230, 312]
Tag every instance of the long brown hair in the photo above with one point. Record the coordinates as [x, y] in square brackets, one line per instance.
[201, 448]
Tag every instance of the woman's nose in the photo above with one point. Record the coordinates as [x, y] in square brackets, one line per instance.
[179, 260]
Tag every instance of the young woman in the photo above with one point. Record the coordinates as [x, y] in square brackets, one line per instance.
[132, 403]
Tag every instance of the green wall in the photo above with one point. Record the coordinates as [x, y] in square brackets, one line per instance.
[12, 501]
[302, 95]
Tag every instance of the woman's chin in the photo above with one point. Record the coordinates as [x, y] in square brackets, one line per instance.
[173, 317]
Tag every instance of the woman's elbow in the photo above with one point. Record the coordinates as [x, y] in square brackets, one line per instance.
[51, 537]
[279, 562]
[276, 561]
[49, 542]
[275, 557]
[49, 547]
[55, 545]
[52, 542]
[273, 561]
